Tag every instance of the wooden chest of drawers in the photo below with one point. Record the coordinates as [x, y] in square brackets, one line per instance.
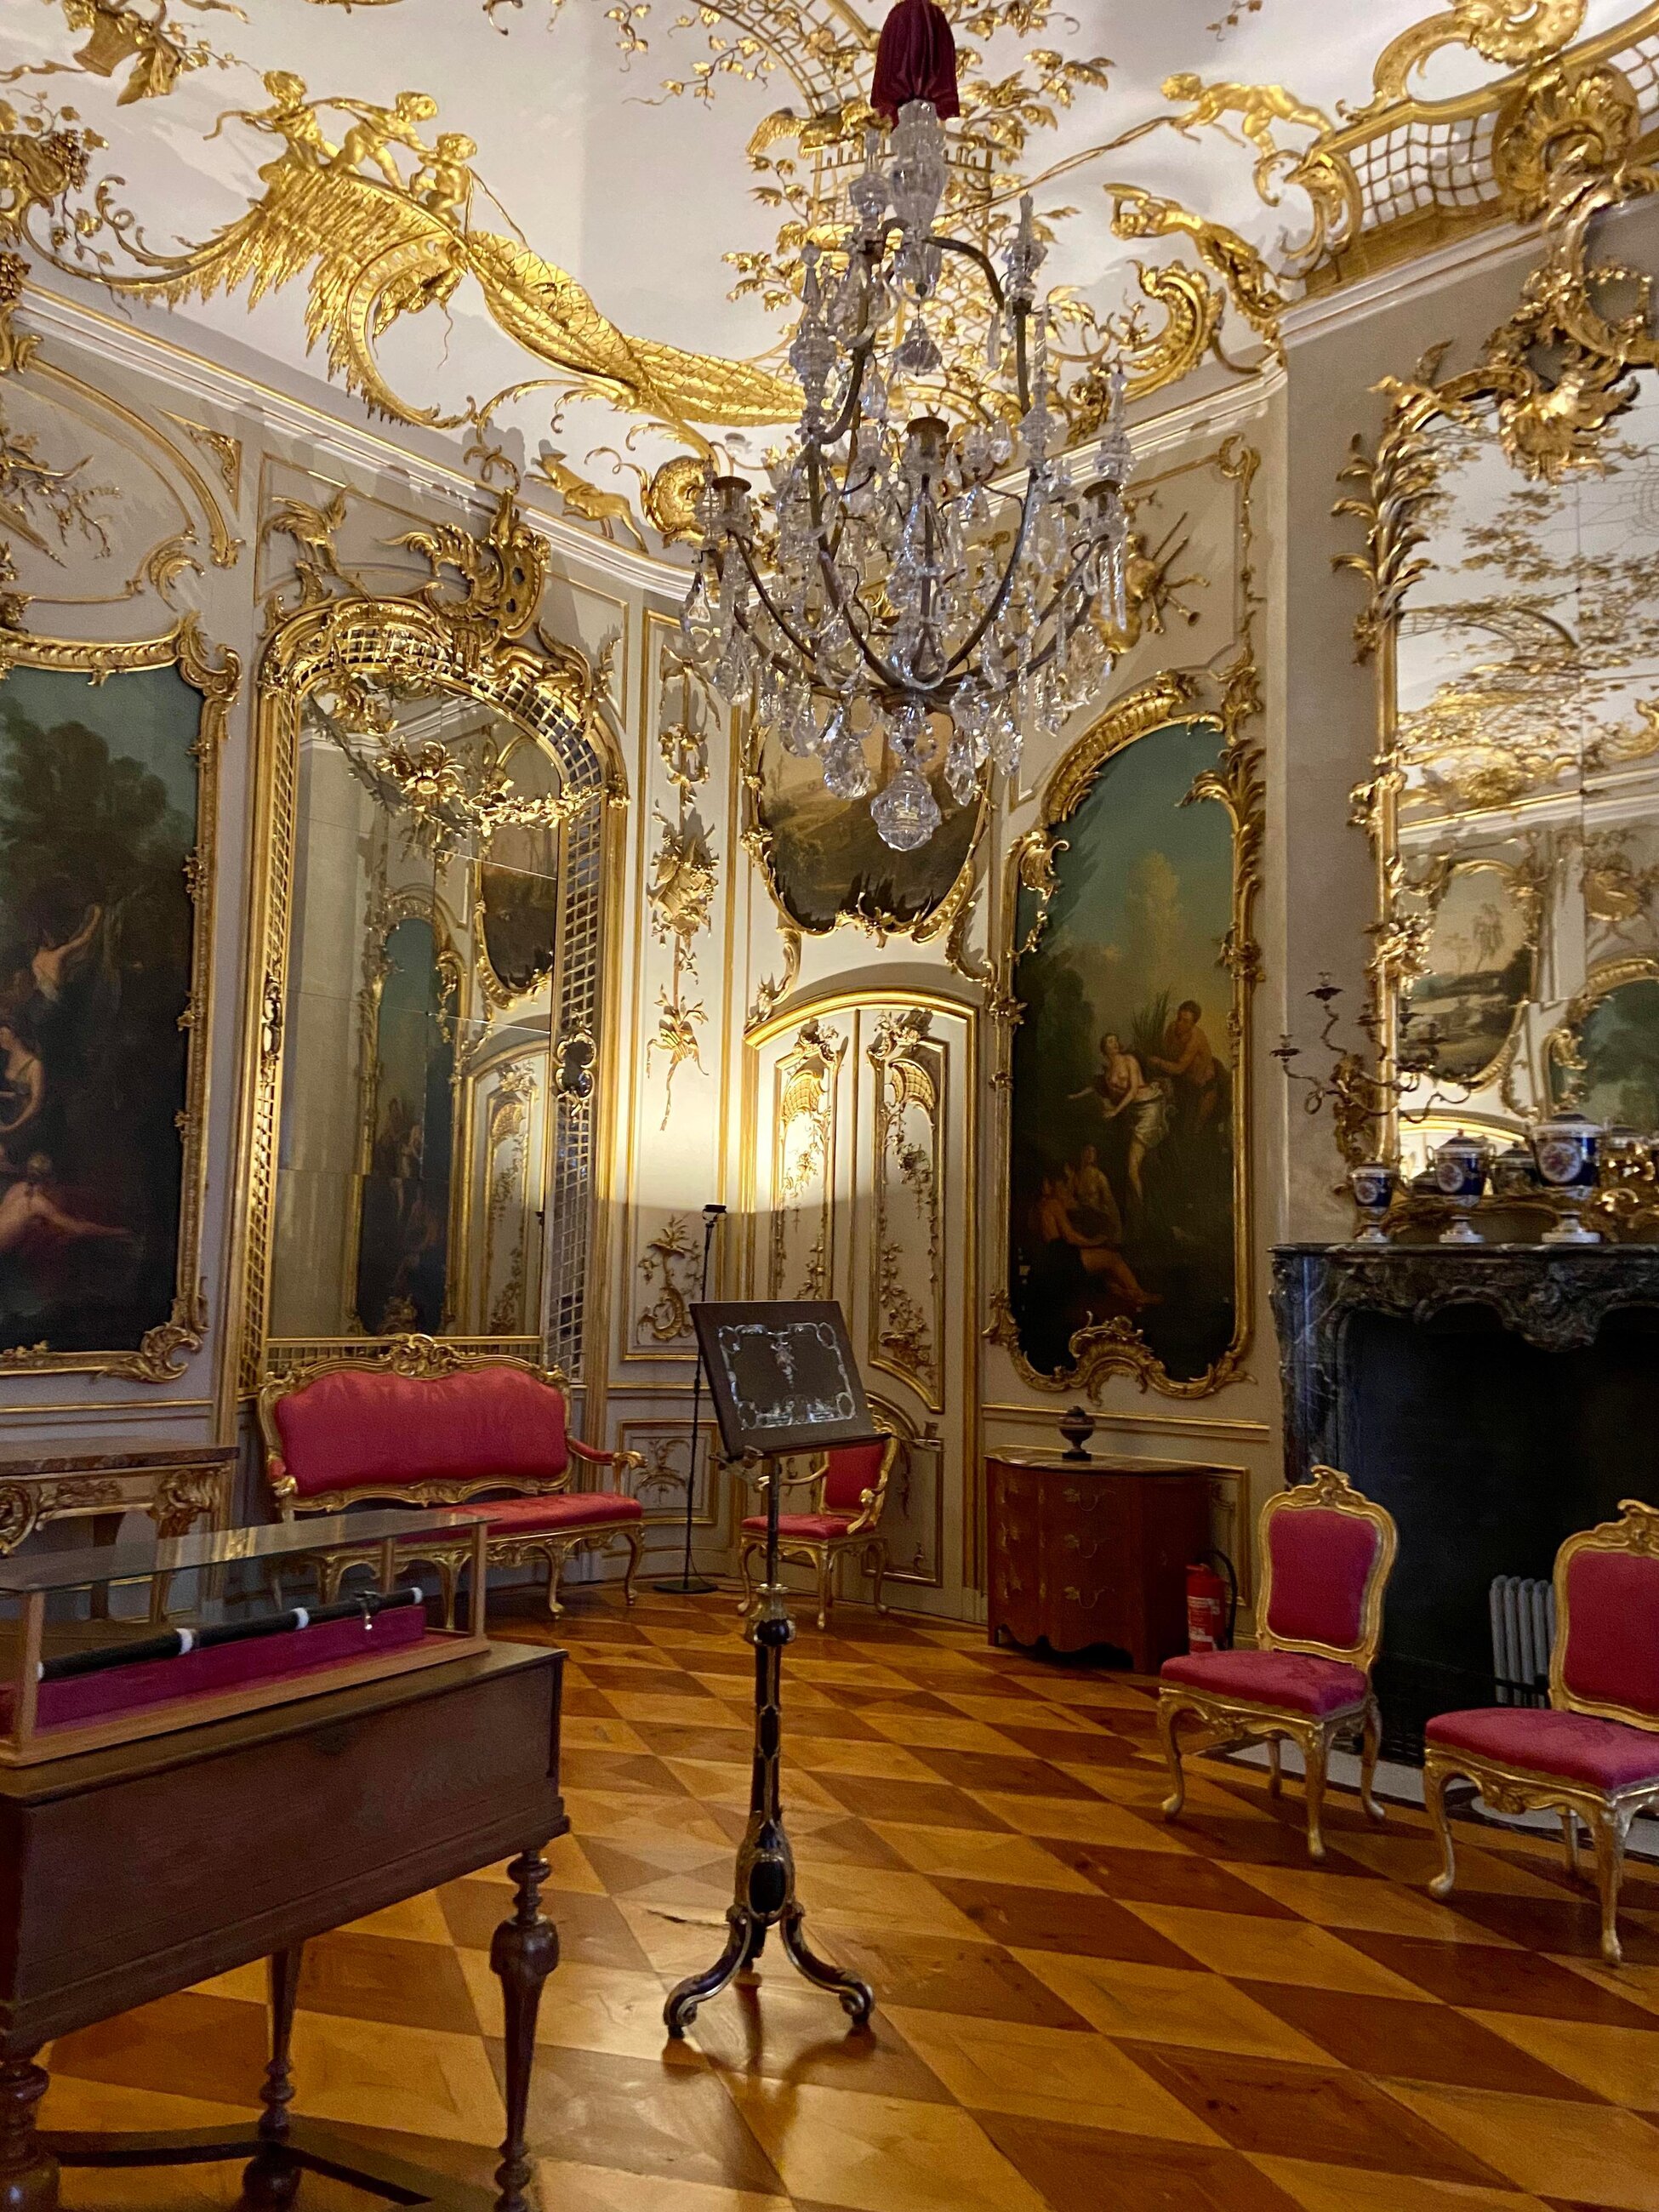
[1096, 1552]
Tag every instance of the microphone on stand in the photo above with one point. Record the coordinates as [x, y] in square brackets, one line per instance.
[687, 1583]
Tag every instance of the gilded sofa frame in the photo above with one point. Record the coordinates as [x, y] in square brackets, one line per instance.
[1606, 1813]
[825, 1553]
[425, 1359]
[1226, 1720]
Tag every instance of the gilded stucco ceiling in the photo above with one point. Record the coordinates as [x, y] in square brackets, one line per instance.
[594, 206]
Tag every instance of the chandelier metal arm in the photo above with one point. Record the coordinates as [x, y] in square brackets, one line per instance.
[999, 597]
[844, 607]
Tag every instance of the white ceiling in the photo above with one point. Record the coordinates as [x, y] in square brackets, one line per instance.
[637, 193]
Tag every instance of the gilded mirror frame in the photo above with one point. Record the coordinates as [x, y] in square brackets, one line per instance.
[469, 646]
[160, 1356]
[1555, 378]
[1229, 705]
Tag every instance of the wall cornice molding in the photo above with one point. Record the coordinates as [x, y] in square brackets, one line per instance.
[353, 443]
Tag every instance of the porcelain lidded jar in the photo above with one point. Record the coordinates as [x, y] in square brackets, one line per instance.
[1461, 1166]
[1568, 1150]
[1373, 1183]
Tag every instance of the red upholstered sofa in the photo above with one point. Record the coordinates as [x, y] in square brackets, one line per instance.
[423, 1424]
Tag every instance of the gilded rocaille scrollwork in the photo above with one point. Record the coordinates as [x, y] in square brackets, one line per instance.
[908, 1301]
[375, 244]
[684, 872]
[803, 1135]
[470, 630]
[162, 1353]
[1552, 383]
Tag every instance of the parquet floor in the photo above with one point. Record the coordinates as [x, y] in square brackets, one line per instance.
[1079, 2007]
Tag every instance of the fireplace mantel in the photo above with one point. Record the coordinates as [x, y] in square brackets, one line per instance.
[1495, 1398]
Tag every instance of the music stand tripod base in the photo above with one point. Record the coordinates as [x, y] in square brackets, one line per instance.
[684, 1586]
[764, 1895]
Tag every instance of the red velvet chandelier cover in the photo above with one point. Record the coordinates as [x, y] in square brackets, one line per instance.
[916, 59]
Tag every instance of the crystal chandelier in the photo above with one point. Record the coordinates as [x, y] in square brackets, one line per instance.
[905, 590]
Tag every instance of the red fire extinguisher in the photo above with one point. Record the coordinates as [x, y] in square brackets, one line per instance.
[1211, 1604]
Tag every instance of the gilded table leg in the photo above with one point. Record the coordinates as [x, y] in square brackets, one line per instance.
[522, 1955]
[1315, 1752]
[272, 2179]
[1607, 1828]
[28, 2172]
[1169, 1721]
[1370, 1743]
[1435, 1780]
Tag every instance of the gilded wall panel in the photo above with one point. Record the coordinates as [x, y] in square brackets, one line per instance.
[678, 1039]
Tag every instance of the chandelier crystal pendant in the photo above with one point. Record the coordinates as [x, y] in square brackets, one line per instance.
[943, 590]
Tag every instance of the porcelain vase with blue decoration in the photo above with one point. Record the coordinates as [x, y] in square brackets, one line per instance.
[1568, 1150]
[1373, 1183]
[1461, 1166]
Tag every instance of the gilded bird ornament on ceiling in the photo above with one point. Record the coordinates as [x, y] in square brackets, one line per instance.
[378, 244]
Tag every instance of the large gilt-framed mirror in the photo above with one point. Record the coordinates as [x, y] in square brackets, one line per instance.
[434, 800]
[1512, 520]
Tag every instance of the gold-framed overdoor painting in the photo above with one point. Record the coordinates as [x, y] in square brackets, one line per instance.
[1127, 1115]
[438, 815]
[109, 761]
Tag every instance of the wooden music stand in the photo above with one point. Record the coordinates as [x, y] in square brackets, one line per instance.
[756, 1431]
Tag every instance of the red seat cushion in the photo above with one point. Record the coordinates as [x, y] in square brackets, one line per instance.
[1293, 1679]
[800, 1524]
[1571, 1747]
[349, 1429]
[569, 1508]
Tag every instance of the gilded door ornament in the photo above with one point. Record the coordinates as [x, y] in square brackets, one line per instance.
[908, 1291]
[802, 1198]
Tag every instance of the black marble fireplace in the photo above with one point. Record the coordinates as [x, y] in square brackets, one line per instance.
[1494, 1399]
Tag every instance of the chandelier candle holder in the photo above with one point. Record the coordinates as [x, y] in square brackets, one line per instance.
[904, 590]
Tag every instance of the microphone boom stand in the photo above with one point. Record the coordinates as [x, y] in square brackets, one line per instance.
[687, 1584]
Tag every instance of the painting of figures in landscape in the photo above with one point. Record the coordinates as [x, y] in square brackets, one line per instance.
[402, 1244]
[1618, 1043]
[1459, 1013]
[827, 860]
[1124, 1104]
[98, 818]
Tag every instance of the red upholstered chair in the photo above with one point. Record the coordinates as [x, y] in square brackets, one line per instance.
[1592, 1754]
[1326, 1553]
[850, 1487]
[423, 1424]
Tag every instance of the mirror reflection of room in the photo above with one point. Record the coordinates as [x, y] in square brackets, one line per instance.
[424, 944]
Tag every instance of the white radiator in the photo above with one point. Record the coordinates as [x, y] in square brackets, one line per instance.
[1523, 1630]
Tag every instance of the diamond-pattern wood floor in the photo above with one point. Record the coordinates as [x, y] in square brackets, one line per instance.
[1079, 2006]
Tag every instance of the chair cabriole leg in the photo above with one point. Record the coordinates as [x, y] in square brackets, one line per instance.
[1607, 1828]
[631, 1538]
[1371, 1745]
[1316, 1752]
[1275, 1767]
[1435, 1778]
[826, 1574]
[1169, 1713]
